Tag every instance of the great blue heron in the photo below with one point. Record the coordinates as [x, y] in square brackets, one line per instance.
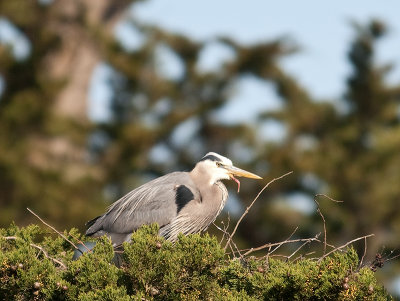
[179, 202]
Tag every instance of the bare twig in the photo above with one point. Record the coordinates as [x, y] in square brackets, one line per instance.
[81, 242]
[394, 257]
[365, 252]
[41, 249]
[220, 229]
[9, 237]
[49, 257]
[322, 216]
[225, 232]
[328, 197]
[345, 245]
[51, 227]
[290, 236]
[252, 203]
[303, 256]
[270, 245]
[324, 222]
[387, 256]
[302, 245]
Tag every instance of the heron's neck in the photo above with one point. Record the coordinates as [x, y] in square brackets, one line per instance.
[213, 195]
[224, 193]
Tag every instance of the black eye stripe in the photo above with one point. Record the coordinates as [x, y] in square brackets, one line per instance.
[211, 158]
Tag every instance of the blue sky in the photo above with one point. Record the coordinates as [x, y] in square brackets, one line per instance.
[321, 28]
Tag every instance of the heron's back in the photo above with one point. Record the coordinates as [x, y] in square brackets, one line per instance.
[158, 201]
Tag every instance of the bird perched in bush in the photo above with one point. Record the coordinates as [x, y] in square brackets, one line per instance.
[179, 202]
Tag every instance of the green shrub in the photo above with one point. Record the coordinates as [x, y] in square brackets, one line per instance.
[34, 266]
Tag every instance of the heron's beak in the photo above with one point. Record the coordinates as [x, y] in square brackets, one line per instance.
[241, 173]
[234, 171]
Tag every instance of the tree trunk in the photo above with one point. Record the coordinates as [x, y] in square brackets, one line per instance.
[72, 63]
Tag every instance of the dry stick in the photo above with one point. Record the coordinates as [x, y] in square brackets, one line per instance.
[269, 245]
[303, 256]
[324, 223]
[275, 255]
[226, 227]
[387, 258]
[225, 232]
[298, 249]
[54, 229]
[322, 216]
[40, 249]
[252, 203]
[328, 197]
[365, 252]
[290, 236]
[394, 257]
[81, 242]
[49, 257]
[222, 230]
[345, 245]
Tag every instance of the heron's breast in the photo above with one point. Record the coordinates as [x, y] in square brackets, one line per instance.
[223, 196]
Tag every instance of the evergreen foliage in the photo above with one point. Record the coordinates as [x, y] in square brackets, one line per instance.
[34, 266]
[50, 161]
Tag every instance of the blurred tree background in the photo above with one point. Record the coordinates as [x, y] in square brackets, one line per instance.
[68, 167]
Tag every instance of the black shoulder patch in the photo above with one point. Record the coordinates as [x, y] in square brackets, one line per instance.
[183, 196]
[212, 158]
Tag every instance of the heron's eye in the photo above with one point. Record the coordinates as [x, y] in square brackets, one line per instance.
[219, 164]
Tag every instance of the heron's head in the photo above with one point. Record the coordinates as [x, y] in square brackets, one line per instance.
[218, 168]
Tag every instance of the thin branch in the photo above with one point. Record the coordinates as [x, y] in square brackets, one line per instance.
[49, 257]
[345, 245]
[394, 257]
[387, 257]
[290, 236]
[82, 243]
[298, 249]
[225, 232]
[252, 203]
[54, 229]
[328, 197]
[269, 245]
[41, 249]
[220, 229]
[324, 222]
[9, 237]
[322, 216]
[365, 252]
[303, 256]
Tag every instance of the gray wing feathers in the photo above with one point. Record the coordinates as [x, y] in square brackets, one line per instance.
[153, 202]
[194, 217]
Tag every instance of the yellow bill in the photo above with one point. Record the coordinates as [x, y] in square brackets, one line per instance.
[234, 171]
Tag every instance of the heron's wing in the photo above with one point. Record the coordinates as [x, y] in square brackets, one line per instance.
[157, 201]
